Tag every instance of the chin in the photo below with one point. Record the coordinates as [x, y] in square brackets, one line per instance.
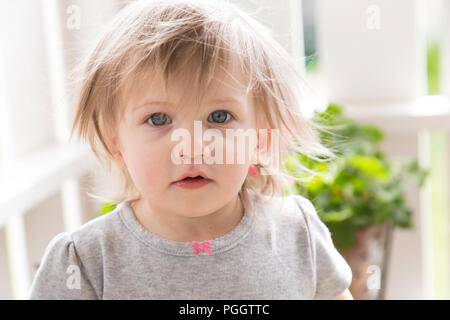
[193, 209]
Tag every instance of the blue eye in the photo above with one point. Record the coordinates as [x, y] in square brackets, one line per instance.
[158, 119]
[220, 116]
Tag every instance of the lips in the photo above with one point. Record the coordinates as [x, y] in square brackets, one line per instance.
[192, 182]
[193, 176]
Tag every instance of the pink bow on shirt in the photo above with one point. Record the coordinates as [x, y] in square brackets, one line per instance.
[201, 247]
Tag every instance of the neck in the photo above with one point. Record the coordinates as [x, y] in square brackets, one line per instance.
[175, 227]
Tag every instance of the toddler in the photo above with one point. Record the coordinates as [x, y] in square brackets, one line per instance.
[194, 220]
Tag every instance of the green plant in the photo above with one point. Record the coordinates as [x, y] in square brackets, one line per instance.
[107, 207]
[359, 188]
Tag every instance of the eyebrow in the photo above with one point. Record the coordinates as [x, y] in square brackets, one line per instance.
[156, 103]
[167, 103]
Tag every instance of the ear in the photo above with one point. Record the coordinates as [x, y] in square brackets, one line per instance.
[264, 139]
[116, 151]
[262, 145]
[263, 135]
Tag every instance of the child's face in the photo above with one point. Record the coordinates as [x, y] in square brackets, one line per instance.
[145, 144]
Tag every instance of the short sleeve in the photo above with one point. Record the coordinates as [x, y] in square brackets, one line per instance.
[333, 275]
[60, 274]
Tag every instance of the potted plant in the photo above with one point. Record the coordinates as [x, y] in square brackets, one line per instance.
[359, 195]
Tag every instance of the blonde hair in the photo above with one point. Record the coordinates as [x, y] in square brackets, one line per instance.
[170, 34]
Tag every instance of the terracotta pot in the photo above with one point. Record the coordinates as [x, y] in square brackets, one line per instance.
[368, 260]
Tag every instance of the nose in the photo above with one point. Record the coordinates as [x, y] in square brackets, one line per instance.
[195, 150]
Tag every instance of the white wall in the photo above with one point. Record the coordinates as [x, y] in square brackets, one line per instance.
[34, 39]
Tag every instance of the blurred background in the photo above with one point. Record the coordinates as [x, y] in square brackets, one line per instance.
[385, 63]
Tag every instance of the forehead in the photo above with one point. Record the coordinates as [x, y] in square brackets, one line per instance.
[183, 88]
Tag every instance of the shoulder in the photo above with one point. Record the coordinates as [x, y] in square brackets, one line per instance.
[99, 231]
[293, 209]
[332, 274]
[300, 213]
[79, 253]
[91, 236]
[287, 218]
[300, 210]
[297, 223]
[295, 219]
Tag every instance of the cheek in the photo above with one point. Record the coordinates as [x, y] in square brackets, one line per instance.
[148, 166]
[232, 175]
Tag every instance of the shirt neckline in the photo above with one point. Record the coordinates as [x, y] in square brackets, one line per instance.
[216, 246]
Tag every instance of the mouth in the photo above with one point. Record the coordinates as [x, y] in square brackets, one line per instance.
[193, 176]
[193, 182]
[196, 178]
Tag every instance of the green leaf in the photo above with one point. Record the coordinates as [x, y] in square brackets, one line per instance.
[402, 217]
[343, 234]
[372, 167]
[107, 207]
[334, 216]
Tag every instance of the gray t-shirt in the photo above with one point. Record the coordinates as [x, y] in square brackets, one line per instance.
[115, 257]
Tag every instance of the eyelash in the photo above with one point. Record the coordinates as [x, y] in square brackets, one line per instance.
[156, 113]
